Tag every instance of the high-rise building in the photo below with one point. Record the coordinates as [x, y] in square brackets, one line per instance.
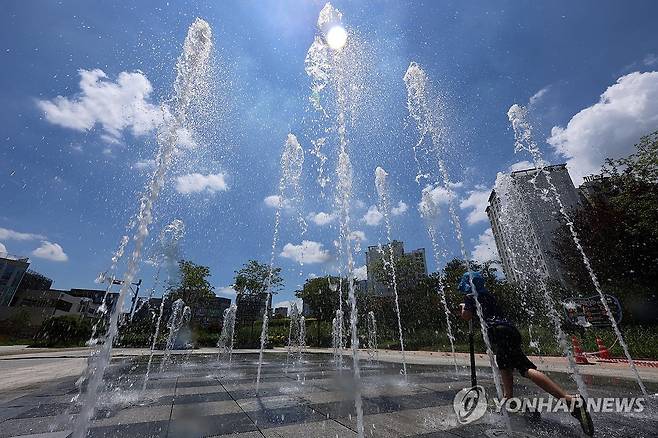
[377, 255]
[524, 218]
[12, 269]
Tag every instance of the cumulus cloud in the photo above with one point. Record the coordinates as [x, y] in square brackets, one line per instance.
[373, 216]
[50, 251]
[272, 201]
[115, 106]
[321, 218]
[7, 234]
[196, 182]
[400, 209]
[309, 252]
[361, 273]
[358, 235]
[3, 249]
[227, 291]
[521, 165]
[485, 247]
[144, 165]
[627, 110]
[477, 202]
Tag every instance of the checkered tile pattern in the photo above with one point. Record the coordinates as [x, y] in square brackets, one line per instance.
[202, 398]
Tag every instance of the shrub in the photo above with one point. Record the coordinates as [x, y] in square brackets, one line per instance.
[64, 331]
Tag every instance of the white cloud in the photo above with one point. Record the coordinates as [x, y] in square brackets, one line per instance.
[539, 95]
[115, 106]
[3, 249]
[144, 165]
[400, 209]
[627, 110]
[7, 234]
[650, 60]
[50, 251]
[373, 217]
[226, 291]
[361, 273]
[273, 202]
[358, 235]
[321, 218]
[477, 202]
[308, 252]
[521, 165]
[485, 248]
[195, 183]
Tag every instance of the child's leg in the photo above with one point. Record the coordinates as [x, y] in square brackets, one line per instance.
[508, 382]
[544, 382]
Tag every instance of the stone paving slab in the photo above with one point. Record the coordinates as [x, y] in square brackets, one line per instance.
[201, 399]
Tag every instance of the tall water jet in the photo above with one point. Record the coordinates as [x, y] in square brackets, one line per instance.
[191, 83]
[429, 124]
[524, 142]
[227, 336]
[373, 352]
[328, 62]
[293, 334]
[337, 339]
[429, 211]
[301, 344]
[292, 162]
[338, 342]
[180, 314]
[167, 259]
[381, 184]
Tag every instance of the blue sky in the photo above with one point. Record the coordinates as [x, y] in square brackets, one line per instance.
[68, 192]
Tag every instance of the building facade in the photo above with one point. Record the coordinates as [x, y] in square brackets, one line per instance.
[12, 270]
[377, 255]
[525, 215]
[252, 307]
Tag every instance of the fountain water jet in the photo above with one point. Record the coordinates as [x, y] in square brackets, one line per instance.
[373, 352]
[227, 336]
[335, 67]
[190, 84]
[429, 210]
[180, 315]
[524, 142]
[389, 264]
[428, 123]
[169, 240]
[292, 161]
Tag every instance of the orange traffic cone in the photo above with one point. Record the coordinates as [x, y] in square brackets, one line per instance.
[578, 352]
[603, 351]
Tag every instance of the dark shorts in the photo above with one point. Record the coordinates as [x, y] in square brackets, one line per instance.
[506, 343]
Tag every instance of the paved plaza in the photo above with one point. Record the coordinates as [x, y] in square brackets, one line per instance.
[195, 396]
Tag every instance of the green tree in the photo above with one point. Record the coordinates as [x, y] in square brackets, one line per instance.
[254, 276]
[618, 229]
[194, 288]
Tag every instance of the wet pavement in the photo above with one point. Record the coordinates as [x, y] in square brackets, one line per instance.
[307, 399]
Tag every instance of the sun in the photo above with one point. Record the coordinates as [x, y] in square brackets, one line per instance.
[337, 37]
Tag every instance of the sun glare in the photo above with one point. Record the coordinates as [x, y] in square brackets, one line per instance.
[337, 37]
